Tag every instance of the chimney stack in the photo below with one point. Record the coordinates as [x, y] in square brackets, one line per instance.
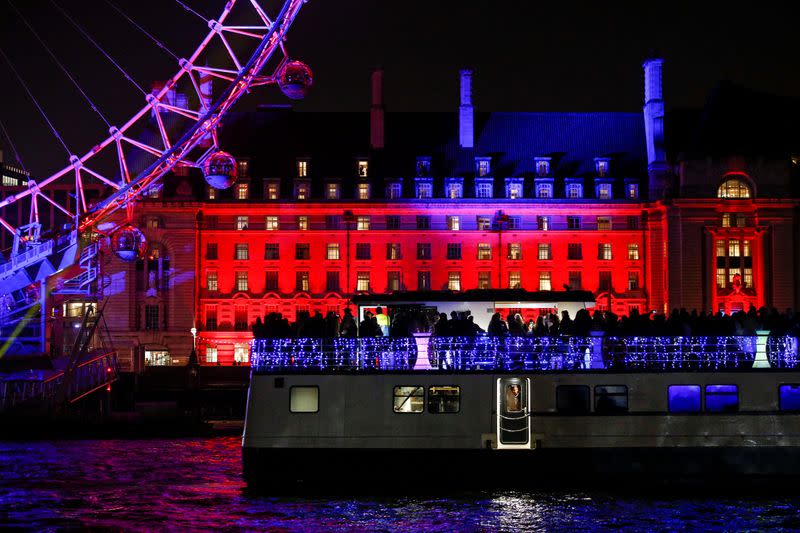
[657, 167]
[376, 111]
[466, 120]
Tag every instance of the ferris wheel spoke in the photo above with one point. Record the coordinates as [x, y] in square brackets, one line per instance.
[123, 164]
[222, 73]
[218, 28]
[246, 31]
[56, 205]
[188, 113]
[262, 15]
[146, 147]
[102, 178]
[161, 129]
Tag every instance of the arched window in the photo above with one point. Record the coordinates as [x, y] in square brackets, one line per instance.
[734, 188]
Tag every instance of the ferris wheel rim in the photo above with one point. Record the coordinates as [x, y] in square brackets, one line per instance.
[246, 74]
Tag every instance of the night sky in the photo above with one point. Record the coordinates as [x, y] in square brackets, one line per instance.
[527, 55]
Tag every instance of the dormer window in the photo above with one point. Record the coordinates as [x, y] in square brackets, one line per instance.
[302, 168]
[454, 188]
[394, 190]
[631, 190]
[604, 191]
[483, 166]
[242, 191]
[272, 190]
[423, 188]
[574, 190]
[513, 188]
[302, 190]
[362, 167]
[542, 166]
[423, 166]
[484, 188]
[333, 191]
[544, 189]
[734, 187]
[363, 191]
[601, 166]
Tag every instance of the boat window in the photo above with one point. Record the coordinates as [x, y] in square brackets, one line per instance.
[409, 399]
[513, 398]
[684, 398]
[789, 397]
[722, 398]
[610, 399]
[572, 399]
[444, 399]
[304, 399]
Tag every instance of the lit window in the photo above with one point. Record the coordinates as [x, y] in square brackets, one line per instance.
[152, 222]
[633, 252]
[544, 190]
[684, 398]
[212, 193]
[604, 191]
[424, 190]
[514, 279]
[454, 250]
[393, 281]
[304, 399]
[747, 279]
[604, 251]
[453, 223]
[154, 191]
[483, 189]
[632, 191]
[211, 354]
[302, 190]
[542, 166]
[722, 398]
[544, 251]
[722, 278]
[363, 191]
[484, 251]
[633, 281]
[573, 222]
[272, 191]
[271, 223]
[455, 190]
[409, 399]
[484, 279]
[543, 223]
[301, 280]
[514, 191]
[362, 223]
[423, 280]
[362, 281]
[242, 251]
[241, 352]
[445, 399]
[332, 251]
[733, 248]
[302, 222]
[601, 165]
[734, 188]
[394, 190]
[746, 248]
[544, 281]
[484, 223]
[363, 168]
[482, 167]
[212, 283]
[393, 251]
[332, 191]
[242, 222]
[720, 248]
[242, 191]
[604, 223]
[574, 191]
[302, 168]
[454, 281]
[515, 250]
[241, 281]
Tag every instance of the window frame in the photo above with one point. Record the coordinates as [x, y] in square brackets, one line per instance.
[408, 398]
[291, 392]
[430, 395]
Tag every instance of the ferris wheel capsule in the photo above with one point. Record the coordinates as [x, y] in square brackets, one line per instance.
[295, 80]
[129, 243]
[220, 170]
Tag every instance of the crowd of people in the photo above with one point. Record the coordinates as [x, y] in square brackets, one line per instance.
[404, 323]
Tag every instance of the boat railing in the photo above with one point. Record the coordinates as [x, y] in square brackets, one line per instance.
[512, 353]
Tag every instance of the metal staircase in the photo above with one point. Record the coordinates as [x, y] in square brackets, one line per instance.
[82, 284]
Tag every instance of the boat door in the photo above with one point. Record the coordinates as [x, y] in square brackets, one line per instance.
[513, 413]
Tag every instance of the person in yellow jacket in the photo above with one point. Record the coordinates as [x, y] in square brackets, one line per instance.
[383, 321]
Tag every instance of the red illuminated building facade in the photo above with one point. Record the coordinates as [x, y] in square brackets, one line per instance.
[329, 205]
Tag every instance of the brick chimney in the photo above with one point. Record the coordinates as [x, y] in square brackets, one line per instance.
[376, 111]
[466, 119]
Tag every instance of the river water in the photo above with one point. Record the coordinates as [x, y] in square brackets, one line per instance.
[195, 484]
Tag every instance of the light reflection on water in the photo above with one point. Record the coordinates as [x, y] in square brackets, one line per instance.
[196, 484]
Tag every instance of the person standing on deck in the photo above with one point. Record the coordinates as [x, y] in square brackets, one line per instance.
[383, 321]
